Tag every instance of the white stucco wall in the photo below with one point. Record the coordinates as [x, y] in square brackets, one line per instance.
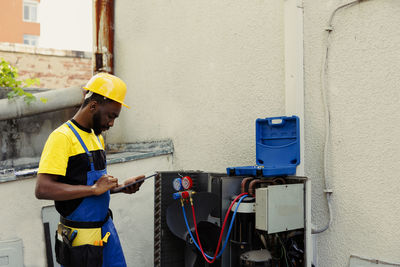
[364, 97]
[20, 215]
[200, 73]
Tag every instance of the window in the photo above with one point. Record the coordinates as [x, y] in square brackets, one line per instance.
[30, 11]
[31, 39]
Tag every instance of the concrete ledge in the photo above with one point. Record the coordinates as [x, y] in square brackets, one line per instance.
[22, 48]
[117, 153]
[12, 170]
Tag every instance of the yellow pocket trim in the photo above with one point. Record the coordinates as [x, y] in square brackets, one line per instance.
[85, 235]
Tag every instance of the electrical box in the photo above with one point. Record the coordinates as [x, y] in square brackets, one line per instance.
[280, 208]
[11, 253]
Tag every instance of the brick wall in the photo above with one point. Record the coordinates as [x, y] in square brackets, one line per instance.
[55, 68]
[22, 140]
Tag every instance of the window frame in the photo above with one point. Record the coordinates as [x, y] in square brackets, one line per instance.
[31, 38]
[32, 5]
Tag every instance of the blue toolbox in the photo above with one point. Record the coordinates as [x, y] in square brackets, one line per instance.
[277, 148]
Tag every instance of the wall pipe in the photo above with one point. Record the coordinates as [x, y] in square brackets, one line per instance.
[294, 94]
[294, 68]
[56, 100]
[103, 24]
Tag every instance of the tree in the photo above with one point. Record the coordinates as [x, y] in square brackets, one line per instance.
[9, 79]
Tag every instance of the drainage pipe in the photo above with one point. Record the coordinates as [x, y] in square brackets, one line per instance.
[57, 99]
[294, 89]
[103, 59]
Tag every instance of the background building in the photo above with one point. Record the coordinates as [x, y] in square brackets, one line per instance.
[19, 20]
[57, 24]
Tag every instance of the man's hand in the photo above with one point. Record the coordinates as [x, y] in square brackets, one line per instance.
[48, 187]
[105, 183]
[133, 188]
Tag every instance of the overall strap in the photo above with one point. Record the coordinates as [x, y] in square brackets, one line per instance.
[100, 142]
[90, 156]
[104, 148]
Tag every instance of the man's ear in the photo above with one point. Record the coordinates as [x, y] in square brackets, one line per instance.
[93, 105]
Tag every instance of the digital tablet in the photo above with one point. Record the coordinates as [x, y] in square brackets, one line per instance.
[135, 182]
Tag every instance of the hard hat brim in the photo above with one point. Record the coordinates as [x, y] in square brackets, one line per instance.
[125, 105]
[122, 103]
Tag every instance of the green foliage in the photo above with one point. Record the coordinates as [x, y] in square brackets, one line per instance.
[9, 79]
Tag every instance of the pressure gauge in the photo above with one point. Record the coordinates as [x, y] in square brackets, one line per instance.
[177, 184]
[187, 182]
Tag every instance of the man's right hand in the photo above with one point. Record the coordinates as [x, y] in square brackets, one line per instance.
[105, 183]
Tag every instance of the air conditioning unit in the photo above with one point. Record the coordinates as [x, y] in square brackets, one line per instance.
[252, 215]
[266, 227]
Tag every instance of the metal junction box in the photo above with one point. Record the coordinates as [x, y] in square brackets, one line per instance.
[280, 208]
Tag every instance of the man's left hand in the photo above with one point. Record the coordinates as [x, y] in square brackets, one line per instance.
[133, 188]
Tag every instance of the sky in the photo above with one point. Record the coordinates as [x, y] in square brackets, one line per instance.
[66, 24]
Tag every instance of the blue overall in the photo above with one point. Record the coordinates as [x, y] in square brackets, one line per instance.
[95, 209]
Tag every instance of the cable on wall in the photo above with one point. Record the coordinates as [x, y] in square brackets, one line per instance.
[328, 191]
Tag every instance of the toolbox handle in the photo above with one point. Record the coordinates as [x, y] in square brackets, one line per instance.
[276, 121]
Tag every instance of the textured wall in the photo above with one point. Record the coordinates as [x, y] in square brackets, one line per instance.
[200, 73]
[363, 159]
[25, 137]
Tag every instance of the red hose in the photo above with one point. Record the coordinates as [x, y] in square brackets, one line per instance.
[222, 229]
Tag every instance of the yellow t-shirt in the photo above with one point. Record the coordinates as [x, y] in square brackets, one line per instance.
[63, 155]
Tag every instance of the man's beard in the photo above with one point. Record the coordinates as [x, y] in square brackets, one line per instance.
[97, 128]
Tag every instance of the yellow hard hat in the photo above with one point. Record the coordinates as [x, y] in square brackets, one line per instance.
[109, 86]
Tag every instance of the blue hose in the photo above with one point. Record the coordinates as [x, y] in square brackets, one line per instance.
[227, 237]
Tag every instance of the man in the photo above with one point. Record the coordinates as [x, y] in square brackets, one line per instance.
[72, 172]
